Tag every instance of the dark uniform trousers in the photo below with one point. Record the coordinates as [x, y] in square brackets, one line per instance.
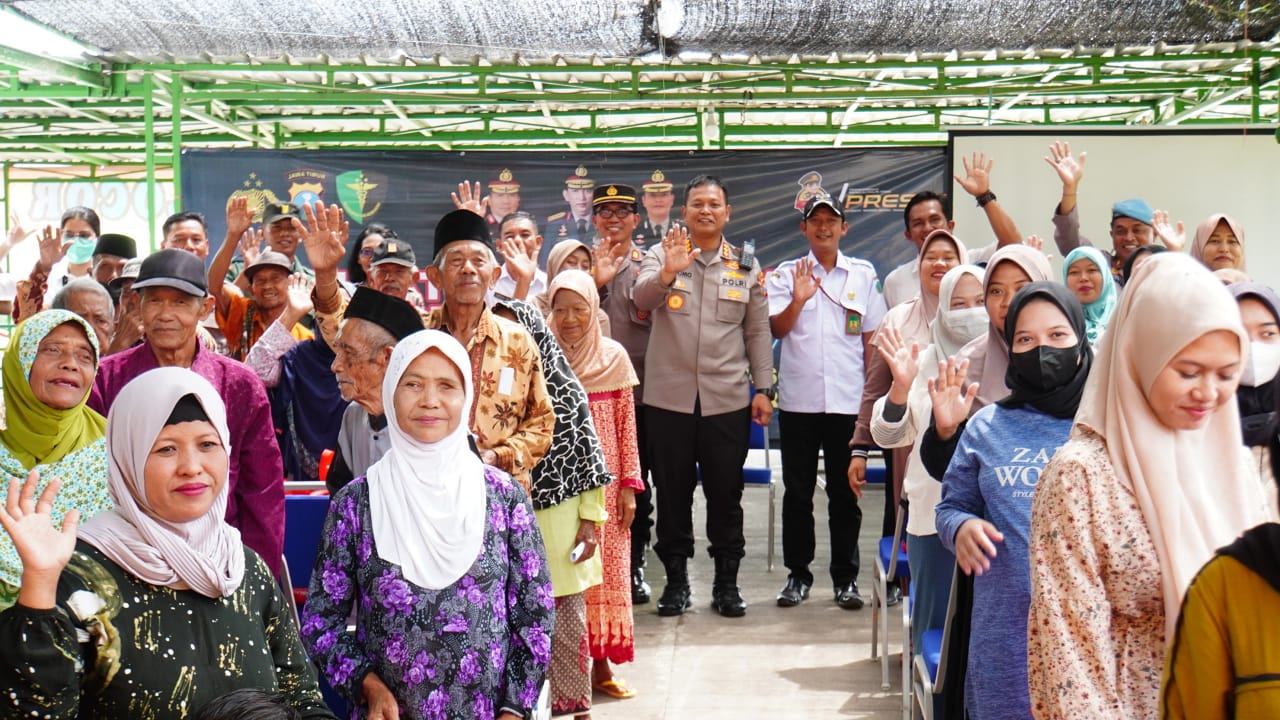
[803, 434]
[717, 444]
[643, 522]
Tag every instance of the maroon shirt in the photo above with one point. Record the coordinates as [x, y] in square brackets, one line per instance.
[255, 495]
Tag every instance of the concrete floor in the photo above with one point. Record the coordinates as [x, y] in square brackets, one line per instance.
[809, 661]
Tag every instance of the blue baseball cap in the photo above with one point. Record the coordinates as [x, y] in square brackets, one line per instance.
[1135, 208]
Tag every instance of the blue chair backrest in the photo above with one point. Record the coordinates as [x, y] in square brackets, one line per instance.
[303, 522]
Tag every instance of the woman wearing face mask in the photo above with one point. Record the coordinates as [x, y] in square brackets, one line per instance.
[1085, 272]
[985, 512]
[900, 416]
[1150, 483]
[1260, 312]
[982, 364]
[907, 323]
[74, 239]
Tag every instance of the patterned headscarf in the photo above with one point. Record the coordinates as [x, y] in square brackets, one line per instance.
[35, 433]
[574, 463]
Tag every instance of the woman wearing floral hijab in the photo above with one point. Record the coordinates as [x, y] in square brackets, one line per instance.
[158, 608]
[440, 558]
[1151, 482]
[48, 369]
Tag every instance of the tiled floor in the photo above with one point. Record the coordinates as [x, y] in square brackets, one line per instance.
[811, 661]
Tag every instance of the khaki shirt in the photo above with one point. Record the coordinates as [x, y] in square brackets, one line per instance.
[627, 324]
[709, 327]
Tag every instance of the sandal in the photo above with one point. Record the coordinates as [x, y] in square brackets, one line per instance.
[614, 689]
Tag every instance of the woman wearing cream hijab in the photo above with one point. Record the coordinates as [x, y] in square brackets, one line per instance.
[1152, 481]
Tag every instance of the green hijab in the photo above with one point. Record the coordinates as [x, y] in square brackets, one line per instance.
[35, 433]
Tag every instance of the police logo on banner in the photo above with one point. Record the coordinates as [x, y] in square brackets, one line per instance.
[259, 197]
[361, 193]
[306, 186]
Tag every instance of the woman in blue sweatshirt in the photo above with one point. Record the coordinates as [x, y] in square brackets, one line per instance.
[985, 513]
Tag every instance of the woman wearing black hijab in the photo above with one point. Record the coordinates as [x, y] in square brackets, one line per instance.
[985, 513]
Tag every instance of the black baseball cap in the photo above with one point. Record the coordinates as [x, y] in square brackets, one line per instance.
[173, 268]
[394, 250]
[822, 201]
[279, 211]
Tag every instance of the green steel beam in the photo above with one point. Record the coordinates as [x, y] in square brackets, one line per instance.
[84, 75]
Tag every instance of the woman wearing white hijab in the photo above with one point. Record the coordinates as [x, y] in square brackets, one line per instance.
[158, 608]
[1151, 482]
[440, 558]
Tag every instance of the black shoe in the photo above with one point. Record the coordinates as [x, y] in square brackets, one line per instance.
[676, 598]
[794, 593]
[849, 598]
[726, 597]
[639, 588]
[895, 595]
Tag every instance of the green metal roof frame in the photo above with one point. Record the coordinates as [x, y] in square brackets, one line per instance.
[145, 111]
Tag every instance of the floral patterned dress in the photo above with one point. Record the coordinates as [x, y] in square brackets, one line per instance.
[470, 650]
[1095, 633]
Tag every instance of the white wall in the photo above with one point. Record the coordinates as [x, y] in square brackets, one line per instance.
[1192, 175]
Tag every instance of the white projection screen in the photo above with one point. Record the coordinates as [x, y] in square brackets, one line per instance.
[1191, 174]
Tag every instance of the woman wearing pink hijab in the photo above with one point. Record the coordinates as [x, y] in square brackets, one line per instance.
[1151, 482]
[1219, 243]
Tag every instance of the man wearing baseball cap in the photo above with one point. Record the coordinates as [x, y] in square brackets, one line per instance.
[277, 229]
[824, 307]
[394, 268]
[243, 320]
[174, 298]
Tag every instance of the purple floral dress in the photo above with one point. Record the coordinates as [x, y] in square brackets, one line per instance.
[471, 650]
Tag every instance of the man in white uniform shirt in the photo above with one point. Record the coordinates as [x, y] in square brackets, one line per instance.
[824, 307]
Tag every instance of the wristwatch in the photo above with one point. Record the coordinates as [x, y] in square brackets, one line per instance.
[985, 198]
[771, 393]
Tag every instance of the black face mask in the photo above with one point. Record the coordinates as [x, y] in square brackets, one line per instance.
[1046, 368]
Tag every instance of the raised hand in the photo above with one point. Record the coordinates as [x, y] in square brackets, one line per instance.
[804, 283]
[298, 299]
[468, 199]
[903, 359]
[975, 543]
[324, 235]
[1173, 236]
[239, 217]
[1070, 170]
[43, 548]
[52, 249]
[521, 260]
[607, 262]
[251, 245]
[1034, 241]
[677, 253]
[951, 399]
[977, 174]
[16, 232]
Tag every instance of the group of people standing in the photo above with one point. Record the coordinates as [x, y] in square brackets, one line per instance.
[493, 461]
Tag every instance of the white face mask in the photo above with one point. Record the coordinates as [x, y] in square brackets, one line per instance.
[967, 323]
[1263, 363]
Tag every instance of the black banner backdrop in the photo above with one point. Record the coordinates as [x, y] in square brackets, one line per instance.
[409, 191]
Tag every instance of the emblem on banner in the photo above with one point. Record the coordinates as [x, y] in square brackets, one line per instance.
[810, 187]
[259, 196]
[306, 186]
[361, 193]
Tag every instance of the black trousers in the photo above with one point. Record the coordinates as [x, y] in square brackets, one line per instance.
[803, 434]
[643, 520]
[679, 445]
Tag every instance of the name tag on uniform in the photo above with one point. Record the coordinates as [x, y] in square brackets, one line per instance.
[506, 380]
[852, 322]
[733, 286]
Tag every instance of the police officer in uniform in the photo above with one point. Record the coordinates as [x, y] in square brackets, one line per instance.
[504, 199]
[576, 221]
[710, 327]
[658, 201]
[630, 327]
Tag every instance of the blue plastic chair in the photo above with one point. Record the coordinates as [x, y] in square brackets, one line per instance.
[891, 564]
